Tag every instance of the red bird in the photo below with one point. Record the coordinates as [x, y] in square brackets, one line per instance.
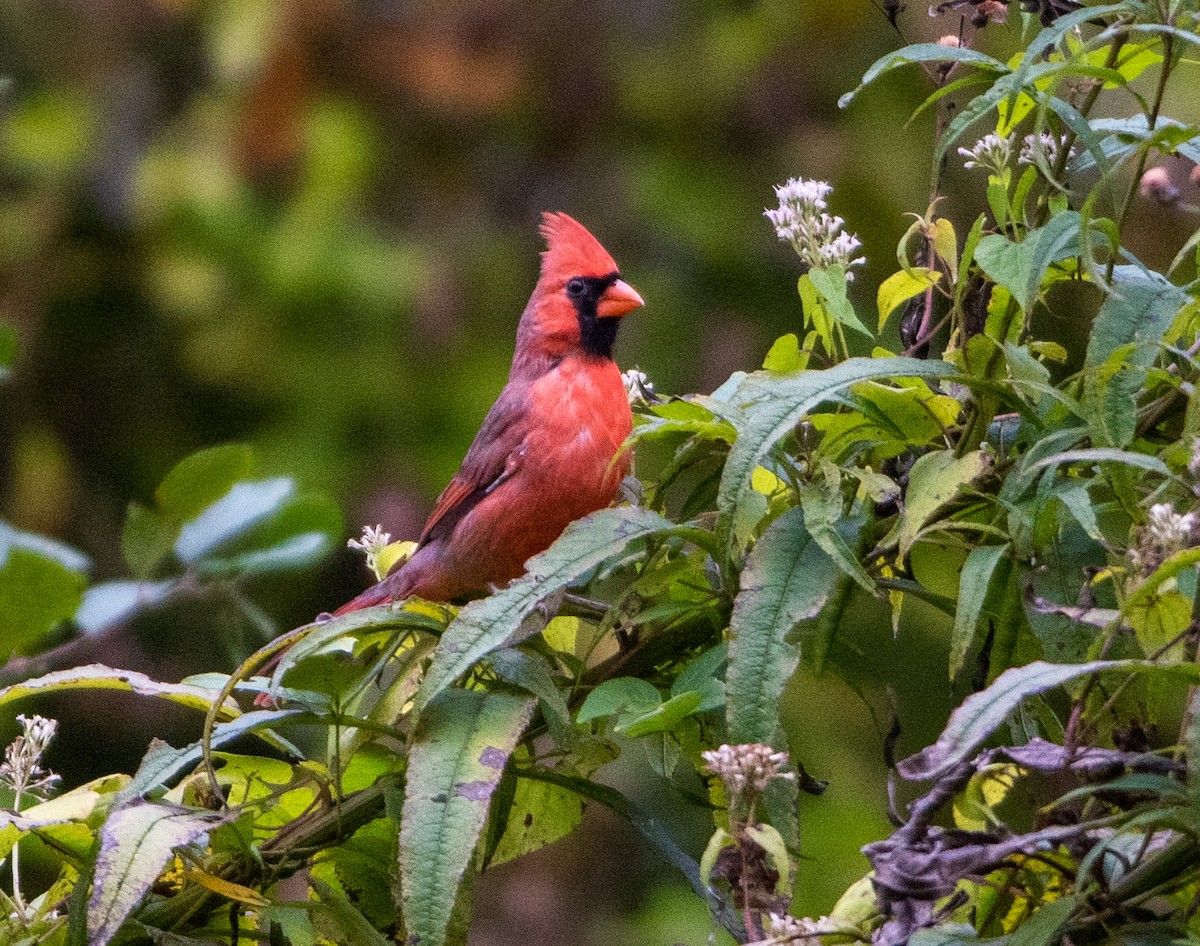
[549, 450]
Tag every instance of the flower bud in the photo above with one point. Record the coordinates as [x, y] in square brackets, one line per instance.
[1156, 184]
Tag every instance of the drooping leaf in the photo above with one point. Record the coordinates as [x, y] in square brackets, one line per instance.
[136, 843]
[99, 677]
[973, 586]
[500, 620]
[149, 537]
[353, 929]
[779, 402]
[923, 52]
[982, 713]
[459, 751]
[787, 578]
[831, 284]
[163, 763]
[902, 286]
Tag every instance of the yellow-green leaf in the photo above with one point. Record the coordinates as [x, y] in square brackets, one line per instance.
[902, 286]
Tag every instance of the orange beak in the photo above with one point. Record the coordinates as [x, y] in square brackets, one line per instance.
[618, 299]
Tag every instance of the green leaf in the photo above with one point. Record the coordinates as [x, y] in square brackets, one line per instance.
[107, 604]
[99, 677]
[136, 844]
[780, 402]
[973, 586]
[705, 675]
[8, 349]
[354, 928]
[532, 672]
[364, 865]
[1139, 311]
[241, 508]
[459, 751]
[1046, 923]
[1019, 267]
[163, 763]
[1090, 456]
[620, 695]
[923, 52]
[36, 595]
[500, 620]
[201, 479]
[902, 286]
[540, 814]
[831, 284]
[147, 539]
[787, 578]
[784, 354]
[659, 719]
[984, 712]
[297, 534]
[652, 831]
[15, 539]
[934, 481]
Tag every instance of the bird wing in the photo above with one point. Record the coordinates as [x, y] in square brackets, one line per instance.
[495, 455]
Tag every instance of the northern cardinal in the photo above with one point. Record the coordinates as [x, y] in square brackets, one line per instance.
[549, 450]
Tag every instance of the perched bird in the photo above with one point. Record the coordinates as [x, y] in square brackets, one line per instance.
[549, 450]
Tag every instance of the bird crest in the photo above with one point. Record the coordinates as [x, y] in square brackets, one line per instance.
[571, 250]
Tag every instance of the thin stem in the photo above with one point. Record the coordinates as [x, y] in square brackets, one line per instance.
[1151, 124]
[18, 791]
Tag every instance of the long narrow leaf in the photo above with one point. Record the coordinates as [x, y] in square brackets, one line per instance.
[458, 754]
[787, 578]
[500, 620]
[781, 402]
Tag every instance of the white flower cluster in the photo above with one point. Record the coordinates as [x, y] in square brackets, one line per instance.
[784, 930]
[749, 766]
[374, 540]
[22, 769]
[802, 220]
[1165, 533]
[991, 152]
[638, 387]
[1045, 143]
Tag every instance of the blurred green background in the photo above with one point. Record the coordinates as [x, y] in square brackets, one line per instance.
[311, 227]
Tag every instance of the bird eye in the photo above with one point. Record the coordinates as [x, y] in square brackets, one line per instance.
[576, 286]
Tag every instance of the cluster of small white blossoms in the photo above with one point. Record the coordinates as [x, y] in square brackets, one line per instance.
[638, 387]
[802, 220]
[1165, 533]
[992, 152]
[1044, 143]
[374, 540]
[749, 766]
[22, 769]
[784, 930]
